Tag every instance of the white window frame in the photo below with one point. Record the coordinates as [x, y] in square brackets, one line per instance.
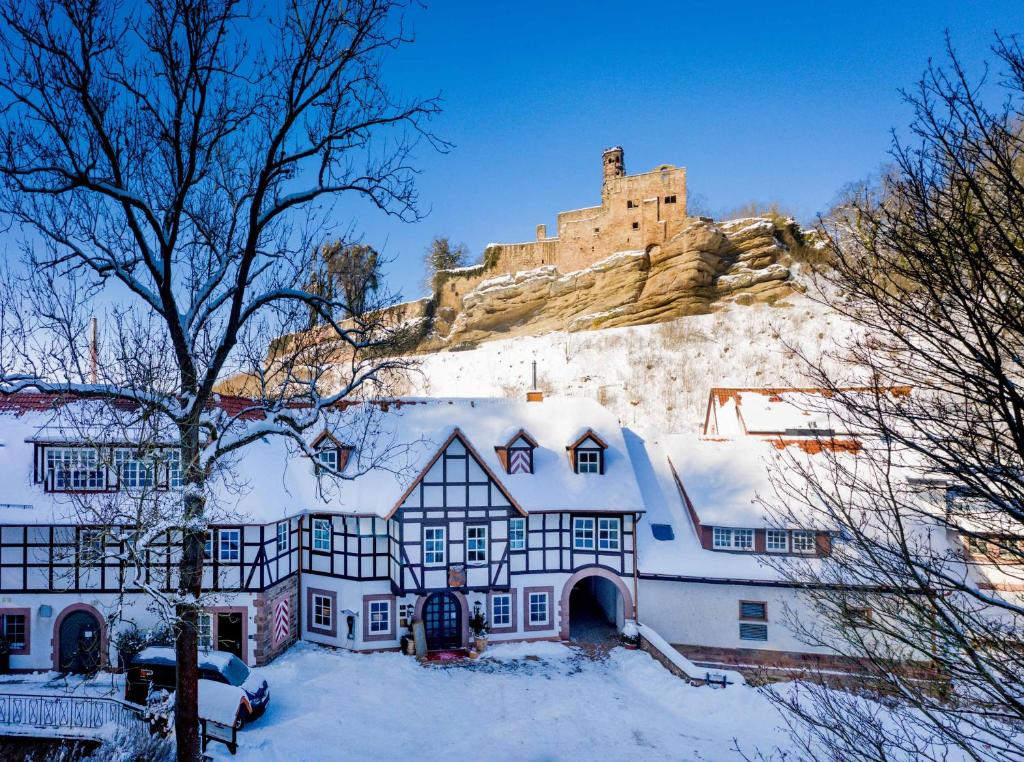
[774, 546]
[74, 469]
[172, 458]
[283, 536]
[323, 540]
[747, 541]
[134, 472]
[435, 545]
[322, 604]
[225, 553]
[517, 534]
[609, 533]
[329, 456]
[591, 463]
[583, 533]
[204, 630]
[728, 538]
[721, 538]
[380, 616]
[542, 596]
[506, 620]
[798, 538]
[476, 544]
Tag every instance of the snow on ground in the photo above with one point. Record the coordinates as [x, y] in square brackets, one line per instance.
[650, 376]
[552, 704]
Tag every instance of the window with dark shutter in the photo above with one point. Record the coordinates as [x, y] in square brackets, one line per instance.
[751, 631]
[753, 610]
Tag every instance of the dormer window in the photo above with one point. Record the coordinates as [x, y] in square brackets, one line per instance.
[516, 455]
[330, 453]
[586, 454]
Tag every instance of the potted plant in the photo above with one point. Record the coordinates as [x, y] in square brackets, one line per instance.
[129, 643]
[630, 635]
[5, 656]
[478, 626]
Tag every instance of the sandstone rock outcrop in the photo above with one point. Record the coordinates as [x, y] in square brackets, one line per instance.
[704, 267]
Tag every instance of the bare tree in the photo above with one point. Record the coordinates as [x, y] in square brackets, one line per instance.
[922, 589]
[173, 166]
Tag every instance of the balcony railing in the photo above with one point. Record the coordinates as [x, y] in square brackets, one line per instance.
[56, 715]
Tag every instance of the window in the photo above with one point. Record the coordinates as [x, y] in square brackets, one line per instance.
[743, 539]
[977, 546]
[517, 534]
[328, 456]
[670, 199]
[636, 226]
[134, 472]
[433, 546]
[538, 608]
[323, 612]
[803, 542]
[322, 535]
[205, 630]
[608, 534]
[857, 616]
[776, 541]
[630, 204]
[282, 536]
[380, 617]
[173, 460]
[229, 542]
[751, 631]
[406, 612]
[583, 534]
[207, 544]
[14, 628]
[754, 610]
[90, 546]
[476, 545]
[501, 610]
[74, 468]
[588, 461]
[732, 539]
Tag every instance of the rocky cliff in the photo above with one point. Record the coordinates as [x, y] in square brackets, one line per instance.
[707, 266]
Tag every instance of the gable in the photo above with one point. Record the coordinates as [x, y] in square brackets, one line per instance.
[456, 479]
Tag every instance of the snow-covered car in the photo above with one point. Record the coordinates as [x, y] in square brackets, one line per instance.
[154, 669]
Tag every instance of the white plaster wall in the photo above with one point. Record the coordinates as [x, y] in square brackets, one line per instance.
[691, 613]
[132, 608]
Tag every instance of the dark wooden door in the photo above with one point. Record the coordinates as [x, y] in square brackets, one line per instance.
[442, 620]
[80, 643]
[229, 633]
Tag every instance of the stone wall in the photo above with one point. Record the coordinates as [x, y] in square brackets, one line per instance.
[265, 604]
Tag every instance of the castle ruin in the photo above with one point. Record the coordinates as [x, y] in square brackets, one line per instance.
[636, 212]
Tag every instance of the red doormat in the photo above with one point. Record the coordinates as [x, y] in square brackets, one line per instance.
[457, 654]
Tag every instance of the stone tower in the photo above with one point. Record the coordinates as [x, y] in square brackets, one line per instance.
[614, 165]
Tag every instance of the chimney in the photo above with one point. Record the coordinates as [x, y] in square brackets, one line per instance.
[535, 394]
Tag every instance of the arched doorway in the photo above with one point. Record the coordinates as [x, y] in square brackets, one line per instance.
[442, 621]
[595, 604]
[80, 641]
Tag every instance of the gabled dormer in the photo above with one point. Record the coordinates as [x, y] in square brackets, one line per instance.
[330, 452]
[516, 455]
[586, 454]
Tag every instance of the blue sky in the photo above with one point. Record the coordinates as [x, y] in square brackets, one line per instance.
[781, 101]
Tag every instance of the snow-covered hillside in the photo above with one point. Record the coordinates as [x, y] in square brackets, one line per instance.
[651, 376]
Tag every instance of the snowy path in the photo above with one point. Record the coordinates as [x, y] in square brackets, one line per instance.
[332, 705]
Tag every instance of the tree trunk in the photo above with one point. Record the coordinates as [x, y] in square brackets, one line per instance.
[190, 580]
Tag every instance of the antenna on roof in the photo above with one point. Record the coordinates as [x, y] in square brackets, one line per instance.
[93, 351]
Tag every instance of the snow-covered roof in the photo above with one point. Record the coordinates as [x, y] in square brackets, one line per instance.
[777, 411]
[271, 479]
[219, 702]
